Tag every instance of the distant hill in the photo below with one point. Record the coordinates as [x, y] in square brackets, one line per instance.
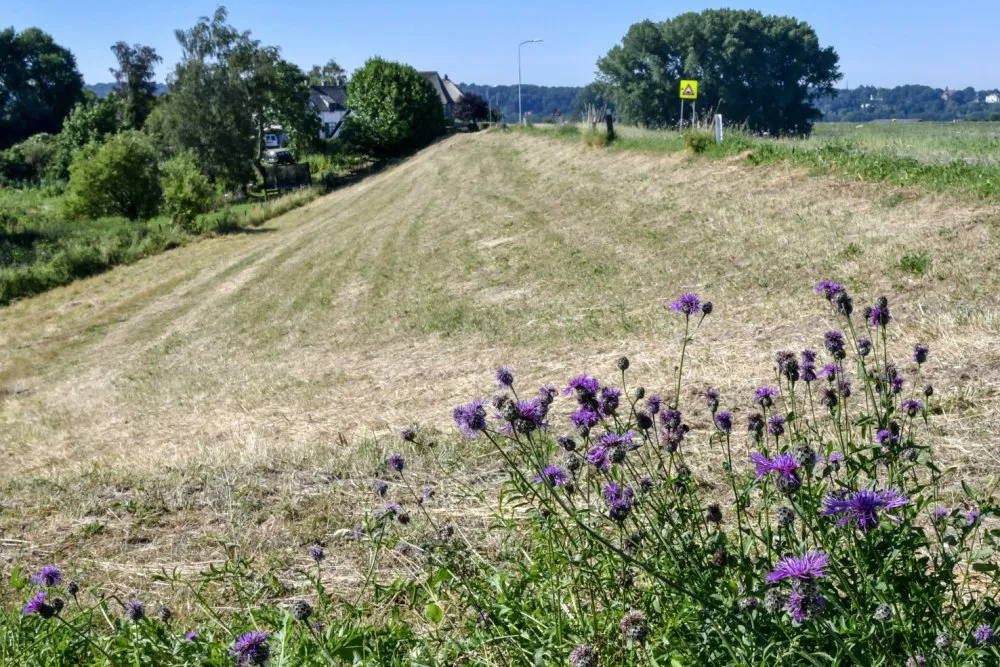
[866, 103]
[538, 101]
[102, 89]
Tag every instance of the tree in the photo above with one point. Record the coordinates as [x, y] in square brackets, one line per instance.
[394, 109]
[765, 71]
[134, 76]
[39, 84]
[120, 177]
[224, 92]
[471, 107]
[330, 74]
[186, 191]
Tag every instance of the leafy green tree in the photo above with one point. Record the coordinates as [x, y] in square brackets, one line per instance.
[135, 78]
[394, 109]
[471, 106]
[39, 84]
[187, 192]
[120, 177]
[765, 71]
[226, 90]
[330, 74]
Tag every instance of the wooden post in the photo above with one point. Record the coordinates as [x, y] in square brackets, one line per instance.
[611, 127]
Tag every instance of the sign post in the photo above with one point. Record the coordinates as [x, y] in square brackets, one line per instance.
[689, 91]
[718, 128]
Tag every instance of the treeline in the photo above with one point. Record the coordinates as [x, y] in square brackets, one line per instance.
[867, 103]
[537, 102]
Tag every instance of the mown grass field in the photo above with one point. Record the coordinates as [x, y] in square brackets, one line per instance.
[244, 390]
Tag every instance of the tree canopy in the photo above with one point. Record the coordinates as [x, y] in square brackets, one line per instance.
[471, 107]
[39, 85]
[134, 78]
[761, 70]
[394, 108]
[330, 74]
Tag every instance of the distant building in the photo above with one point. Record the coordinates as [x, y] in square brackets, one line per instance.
[446, 90]
[330, 103]
[946, 95]
[992, 98]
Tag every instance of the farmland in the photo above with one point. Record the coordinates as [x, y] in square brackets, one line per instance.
[245, 390]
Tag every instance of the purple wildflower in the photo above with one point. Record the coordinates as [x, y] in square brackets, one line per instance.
[916, 661]
[36, 605]
[316, 553]
[863, 507]
[776, 425]
[984, 635]
[671, 418]
[864, 346]
[625, 440]
[505, 378]
[583, 656]
[712, 400]
[191, 636]
[972, 517]
[553, 476]
[833, 341]
[724, 422]
[783, 464]
[381, 488]
[829, 372]
[584, 386]
[620, 500]
[798, 606]
[397, 462]
[829, 289]
[897, 384]
[920, 353]
[810, 566]
[530, 415]
[566, 442]
[48, 576]
[393, 509]
[878, 315]
[408, 434]
[764, 396]
[940, 513]
[886, 438]
[912, 407]
[844, 385]
[687, 304]
[808, 366]
[610, 397]
[470, 419]
[598, 457]
[654, 403]
[251, 648]
[135, 610]
[585, 417]
[835, 457]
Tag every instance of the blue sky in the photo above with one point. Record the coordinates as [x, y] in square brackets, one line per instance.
[881, 42]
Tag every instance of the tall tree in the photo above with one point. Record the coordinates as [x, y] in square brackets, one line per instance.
[330, 74]
[134, 76]
[765, 71]
[39, 85]
[471, 106]
[224, 92]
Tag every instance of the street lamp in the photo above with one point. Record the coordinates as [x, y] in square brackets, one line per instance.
[520, 117]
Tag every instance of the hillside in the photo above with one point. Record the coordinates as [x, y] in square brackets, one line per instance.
[289, 357]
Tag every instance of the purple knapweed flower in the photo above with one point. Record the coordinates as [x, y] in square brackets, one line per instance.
[864, 346]
[584, 386]
[553, 476]
[916, 661]
[397, 462]
[135, 610]
[505, 378]
[920, 353]
[972, 517]
[381, 488]
[912, 407]
[48, 576]
[610, 397]
[408, 434]
[940, 513]
[897, 384]
[470, 419]
[532, 413]
[654, 403]
[393, 508]
[251, 648]
[810, 566]
[625, 440]
[829, 372]
[833, 341]
[686, 304]
[36, 604]
[598, 457]
[863, 507]
[191, 636]
[835, 457]
[620, 500]
[808, 366]
[984, 635]
[829, 289]
[764, 396]
[844, 385]
[585, 417]
[776, 425]
[885, 437]
[724, 422]
[316, 553]
[783, 464]
[583, 656]
[671, 418]
[878, 315]
[712, 399]
[800, 605]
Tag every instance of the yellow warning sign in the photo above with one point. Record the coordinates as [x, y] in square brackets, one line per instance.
[689, 89]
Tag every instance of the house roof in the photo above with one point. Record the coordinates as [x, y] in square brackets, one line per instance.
[445, 88]
[328, 98]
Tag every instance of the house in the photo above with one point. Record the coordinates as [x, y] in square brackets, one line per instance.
[446, 90]
[992, 98]
[330, 102]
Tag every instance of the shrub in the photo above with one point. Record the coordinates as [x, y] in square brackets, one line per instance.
[698, 142]
[119, 178]
[187, 192]
[917, 263]
[595, 137]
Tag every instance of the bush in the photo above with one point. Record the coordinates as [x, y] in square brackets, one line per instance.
[28, 161]
[187, 193]
[394, 109]
[119, 178]
[698, 142]
[595, 137]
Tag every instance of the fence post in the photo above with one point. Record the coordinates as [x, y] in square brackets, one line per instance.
[611, 126]
[718, 128]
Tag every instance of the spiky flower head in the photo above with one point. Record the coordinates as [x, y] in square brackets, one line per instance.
[620, 500]
[316, 553]
[755, 425]
[301, 610]
[397, 462]
[251, 648]
[470, 419]
[776, 425]
[408, 434]
[775, 600]
[764, 396]
[788, 365]
[643, 420]
[505, 378]
[864, 346]
[833, 341]
[686, 304]
[864, 507]
[707, 308]
[714, 513]
[654, 403]
[805, 455]
[802, 606]
[920, 353]
[623, 363]
[912, 407]
[135, 610]
[583, 656]
[553, 476]
[830, 289]
[942, 642]
[566, 442]
[381, 488]
[747, 604]
[610, 398]
[829, 398]
[165, 614]
[812, 565]
[633, 626]
[883, 613]
[711, 399]
[784, 465]
[724, 421]
[37, 605]
[640, 393]
[928, 391]
[878, 315]
[984, 635]
[48, 576]
[972, 517]
[585, 417]
[784, 516]
[584, 386]
[72, 588]
[916, 661]
[191, 636]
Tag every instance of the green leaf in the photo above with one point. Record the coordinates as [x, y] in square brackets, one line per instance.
[434, 613]
[984, 567]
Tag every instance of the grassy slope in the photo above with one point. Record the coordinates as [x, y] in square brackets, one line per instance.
[200, 396]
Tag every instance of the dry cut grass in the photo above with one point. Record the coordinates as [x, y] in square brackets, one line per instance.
[244, 390]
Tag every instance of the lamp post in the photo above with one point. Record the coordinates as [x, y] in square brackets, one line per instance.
[520, 116]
